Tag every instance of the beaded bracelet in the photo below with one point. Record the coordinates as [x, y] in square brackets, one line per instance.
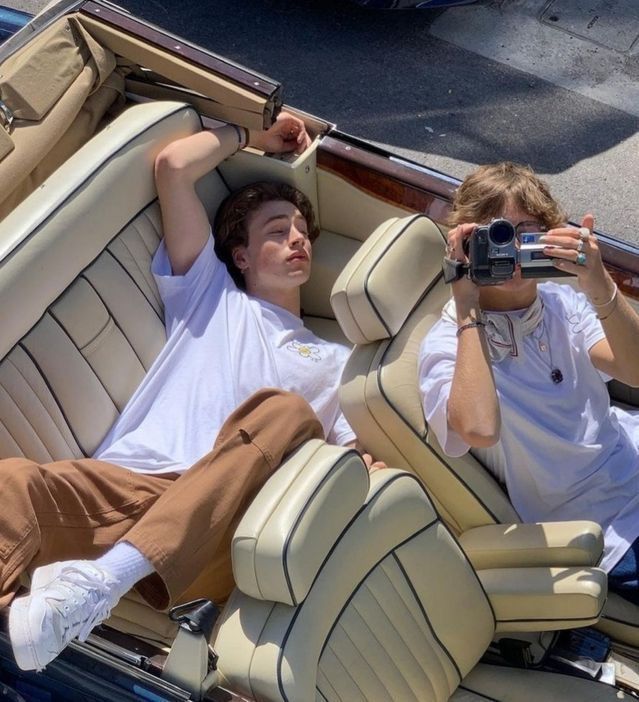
[470, 325]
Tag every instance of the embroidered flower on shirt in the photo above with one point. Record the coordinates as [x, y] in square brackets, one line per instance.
[305, 350]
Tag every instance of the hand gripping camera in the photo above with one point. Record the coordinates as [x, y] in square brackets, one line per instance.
[494, 252]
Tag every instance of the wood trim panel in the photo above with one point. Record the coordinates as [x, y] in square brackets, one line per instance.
[417, 191]
[385, 179]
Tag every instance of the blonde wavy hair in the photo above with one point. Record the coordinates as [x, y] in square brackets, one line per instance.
[486, 192]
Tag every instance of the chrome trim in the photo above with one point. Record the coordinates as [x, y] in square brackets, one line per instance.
[6, 116]
[112, 659]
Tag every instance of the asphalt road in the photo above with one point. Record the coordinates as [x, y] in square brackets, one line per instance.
[387, 77]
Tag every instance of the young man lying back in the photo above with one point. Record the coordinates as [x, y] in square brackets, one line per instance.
[239, 385]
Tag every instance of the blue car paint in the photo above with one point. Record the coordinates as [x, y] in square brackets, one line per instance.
[11, 20]
[407, 4]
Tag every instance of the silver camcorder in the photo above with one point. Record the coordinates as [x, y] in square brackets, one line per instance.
[534, 263]
[494, 252]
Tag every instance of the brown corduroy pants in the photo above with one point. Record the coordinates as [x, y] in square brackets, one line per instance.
[182, 523]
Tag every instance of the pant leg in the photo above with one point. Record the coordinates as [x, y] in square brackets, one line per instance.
[624, 577]
[64, 510]
[187, 533]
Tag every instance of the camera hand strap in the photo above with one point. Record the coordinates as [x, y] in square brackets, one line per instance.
[453, 270]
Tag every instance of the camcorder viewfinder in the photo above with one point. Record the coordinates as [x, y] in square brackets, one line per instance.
[494, 252]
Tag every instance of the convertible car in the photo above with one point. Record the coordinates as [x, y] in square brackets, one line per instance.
[418, 582]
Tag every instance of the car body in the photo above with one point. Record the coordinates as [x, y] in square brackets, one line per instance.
[11, 20]
[83, 217]
[411, 4]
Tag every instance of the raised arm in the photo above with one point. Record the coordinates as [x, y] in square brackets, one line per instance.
[615, 355]
[473, 407]
[182, 163]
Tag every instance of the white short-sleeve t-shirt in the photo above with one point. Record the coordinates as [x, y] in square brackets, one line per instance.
[564, 453]
[222, 346]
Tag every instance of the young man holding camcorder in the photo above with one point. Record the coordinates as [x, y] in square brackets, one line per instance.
[516, 370]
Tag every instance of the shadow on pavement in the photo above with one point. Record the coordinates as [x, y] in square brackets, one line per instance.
[381, 76]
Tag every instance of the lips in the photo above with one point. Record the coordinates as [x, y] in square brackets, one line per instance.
[298, 256]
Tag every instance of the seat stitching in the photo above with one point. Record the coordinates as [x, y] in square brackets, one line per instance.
[474, 692]
[424, 628]
[27, 420]
[55, 398]
[345, 669]
[65, 331]
[423, 609]
[134, 281]
[425, 634]
[155, 231]
[115, 321]
[372, 633]
[44, 407]
[136, 231]
[325, 683]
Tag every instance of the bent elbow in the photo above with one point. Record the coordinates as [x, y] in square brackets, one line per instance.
[479, 433]
[168, 163]
[478, 439]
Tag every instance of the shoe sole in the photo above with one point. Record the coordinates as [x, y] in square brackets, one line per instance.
[20, 635]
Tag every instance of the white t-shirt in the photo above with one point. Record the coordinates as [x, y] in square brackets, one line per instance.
[222, 346]
[563, 453]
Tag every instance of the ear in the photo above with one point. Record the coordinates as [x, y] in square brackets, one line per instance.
[240, 258]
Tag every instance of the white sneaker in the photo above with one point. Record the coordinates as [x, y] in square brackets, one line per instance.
[67, 599]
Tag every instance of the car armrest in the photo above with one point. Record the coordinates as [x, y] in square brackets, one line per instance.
[544, 599]
[561, 544]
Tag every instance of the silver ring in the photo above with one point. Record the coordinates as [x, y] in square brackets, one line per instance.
[584, 233]
[580, 245]
[581, 259]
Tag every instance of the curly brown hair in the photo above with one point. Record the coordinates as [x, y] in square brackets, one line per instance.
[486, 192]
[233, 215]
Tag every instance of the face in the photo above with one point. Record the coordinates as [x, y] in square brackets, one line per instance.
[278, 253]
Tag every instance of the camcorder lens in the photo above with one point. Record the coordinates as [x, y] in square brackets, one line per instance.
[501, 232]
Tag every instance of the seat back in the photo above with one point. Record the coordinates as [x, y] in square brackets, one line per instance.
[348, 591]
[386, 299]
[81, 317]
[80, 313]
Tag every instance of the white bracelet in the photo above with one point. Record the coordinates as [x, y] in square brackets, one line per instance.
[611, 300]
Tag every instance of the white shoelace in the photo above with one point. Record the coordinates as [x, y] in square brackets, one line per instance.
[78, 591]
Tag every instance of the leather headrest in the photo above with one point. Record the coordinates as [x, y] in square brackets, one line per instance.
[295, 520]
[386, 278]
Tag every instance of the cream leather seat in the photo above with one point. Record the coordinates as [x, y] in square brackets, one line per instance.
[81, 317]
[386, 299]
[350, 589]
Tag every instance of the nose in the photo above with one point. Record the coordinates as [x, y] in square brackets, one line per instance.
[295, 236]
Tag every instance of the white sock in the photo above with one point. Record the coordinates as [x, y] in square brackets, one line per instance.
[126, 565]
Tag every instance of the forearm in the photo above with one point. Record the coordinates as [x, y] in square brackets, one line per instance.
[178, 167]
[190, 158]
[621, 326]
[473, 407]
